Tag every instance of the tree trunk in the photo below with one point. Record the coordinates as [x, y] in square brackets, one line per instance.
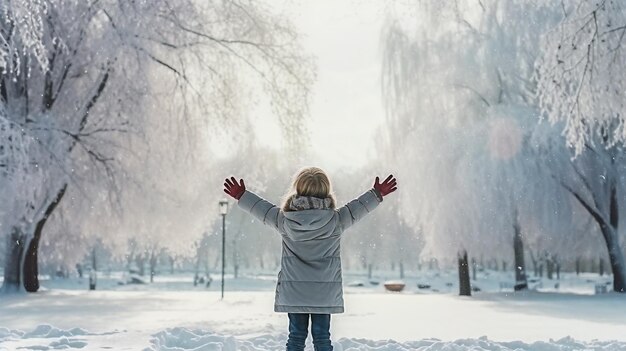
[94, 270]
[495, 265]
[578, 266]
[172, 262]
[401, 265]
[534, 261]
[13, 260]
[196, 275]
[94, 259]
[609, 231]
[369, 271]
[92, 279]
[206, 262]
[464, 277]
[616, 258]
[610, 234]
[601, 267]
[549, 267]
[518, 247]
[140, 260]
[153, 263]
[31, 267]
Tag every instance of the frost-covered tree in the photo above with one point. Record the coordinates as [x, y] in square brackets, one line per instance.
[580, 74]
[568, 250]
[382, 241]
[364, 247]
[595, 180]
[581, 90]
[459, 89]
[78, 77]
[268, 172]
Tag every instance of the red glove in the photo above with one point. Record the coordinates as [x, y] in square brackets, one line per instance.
[387, 187]
[233, 189]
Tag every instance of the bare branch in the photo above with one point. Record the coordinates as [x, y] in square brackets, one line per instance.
[482, 98]
[592, 211]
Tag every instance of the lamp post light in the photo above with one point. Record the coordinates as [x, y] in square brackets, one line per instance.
[223, 212]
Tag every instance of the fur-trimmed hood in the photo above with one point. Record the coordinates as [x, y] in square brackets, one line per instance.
[299, 203]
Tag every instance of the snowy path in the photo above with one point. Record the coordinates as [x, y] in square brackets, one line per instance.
[133, 320]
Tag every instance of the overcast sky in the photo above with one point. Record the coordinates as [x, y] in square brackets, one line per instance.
[346, 108]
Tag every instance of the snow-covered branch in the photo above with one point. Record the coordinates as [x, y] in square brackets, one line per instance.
[580, 80]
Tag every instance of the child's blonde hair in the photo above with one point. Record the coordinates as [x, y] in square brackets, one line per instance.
[309, 181]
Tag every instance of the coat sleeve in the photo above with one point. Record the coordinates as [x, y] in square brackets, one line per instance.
[356, 209]
[261, 209]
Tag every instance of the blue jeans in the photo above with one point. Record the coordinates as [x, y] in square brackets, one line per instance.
[298, 331]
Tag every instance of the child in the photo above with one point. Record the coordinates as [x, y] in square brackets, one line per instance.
[309, 282]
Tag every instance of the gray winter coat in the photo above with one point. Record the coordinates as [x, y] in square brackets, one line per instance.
[310, 277]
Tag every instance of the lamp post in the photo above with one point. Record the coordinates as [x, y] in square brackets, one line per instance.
[223, 212]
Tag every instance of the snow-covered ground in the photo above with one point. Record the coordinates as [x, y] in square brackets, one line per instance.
[149, 318]
[431, 281]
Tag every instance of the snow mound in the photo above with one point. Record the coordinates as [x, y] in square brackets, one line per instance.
[182, 339]
[179, 339]
[66, 343]
[6, 333]
[47, 337]
[48, 331]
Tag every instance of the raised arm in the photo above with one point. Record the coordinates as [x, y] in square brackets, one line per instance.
[259, 208]
[356, 209]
